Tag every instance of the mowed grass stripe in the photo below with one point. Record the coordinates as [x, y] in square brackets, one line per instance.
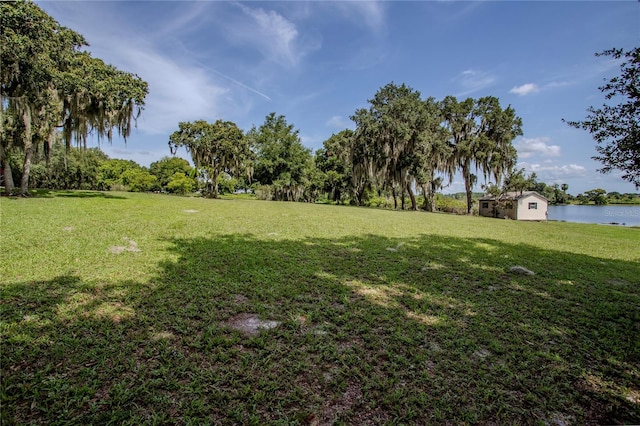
[118, 308]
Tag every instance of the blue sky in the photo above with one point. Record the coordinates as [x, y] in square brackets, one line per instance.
[317, 62]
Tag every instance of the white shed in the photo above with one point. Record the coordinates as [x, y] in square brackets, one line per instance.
[528, 205]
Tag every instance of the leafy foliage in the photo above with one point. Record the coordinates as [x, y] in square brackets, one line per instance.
[180, 183]
[390, 134]
[282, 162]
[166, 168]
[481, 137]
[72, 168]
[616, 128]
[334, 161]
[47, 82]
[215, 148]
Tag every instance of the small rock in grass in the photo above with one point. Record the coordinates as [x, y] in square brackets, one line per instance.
[521, 270]
[250, 324]
[396, 248]
[481, 353]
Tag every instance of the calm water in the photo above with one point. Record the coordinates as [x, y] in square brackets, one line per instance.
[627, 215]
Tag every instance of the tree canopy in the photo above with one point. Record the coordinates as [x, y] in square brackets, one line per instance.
[282, 162]
[48, 83]
[402, 142]
[215, 148]
[616, 127]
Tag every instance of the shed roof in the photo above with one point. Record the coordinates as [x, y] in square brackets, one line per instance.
[514, 195]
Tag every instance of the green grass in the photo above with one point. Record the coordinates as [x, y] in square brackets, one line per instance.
[386, 317]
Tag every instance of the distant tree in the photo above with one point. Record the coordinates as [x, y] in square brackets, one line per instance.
[481, 135]
[390, 136]
[111, 171]
[597, 196]
[616, 128]
[165, 169]
[215, 148]
[62, 168]
[282, 162]
[138, 179]
[180, 183]
[334, 161]
[435, 155]
[516, 181]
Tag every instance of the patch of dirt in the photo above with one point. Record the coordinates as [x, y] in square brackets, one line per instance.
[133, 247]
[331, 409]
[68, 228]
[560, 419]
[239, 299]
[190, 211]
[249, 324]
[434, 347]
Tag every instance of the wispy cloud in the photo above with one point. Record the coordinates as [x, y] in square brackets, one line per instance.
[528, 147]
[371, 13]
[554, 172]
[525, 89]
[339, 122]
[176, 92]
[273, 35]
[531, 88]
[233, 80]
[471, 81]
[189, 17]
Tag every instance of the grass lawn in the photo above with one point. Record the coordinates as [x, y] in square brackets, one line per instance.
[120, 308]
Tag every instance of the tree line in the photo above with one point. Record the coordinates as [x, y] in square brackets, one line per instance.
[402, 145]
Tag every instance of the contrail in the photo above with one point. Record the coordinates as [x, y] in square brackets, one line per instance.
[233, 80]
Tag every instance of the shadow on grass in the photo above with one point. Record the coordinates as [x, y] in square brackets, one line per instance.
[50, 193]
[372, 331]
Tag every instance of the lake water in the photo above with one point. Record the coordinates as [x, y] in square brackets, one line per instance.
[622, 215]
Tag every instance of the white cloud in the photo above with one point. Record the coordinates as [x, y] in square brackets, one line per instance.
[176, 92]
[277, 38]
[528, 147]
[371, 13]
[550, 173]
[471, 81]
[525, 89]
[339, 122]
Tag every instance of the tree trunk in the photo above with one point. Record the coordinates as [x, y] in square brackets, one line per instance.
[24, 182]
[395, 199]
[8, 177]
[6, 170]
[28, 152]
[432, 197]
[414, 206]
[425, 202]
[467, 187]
